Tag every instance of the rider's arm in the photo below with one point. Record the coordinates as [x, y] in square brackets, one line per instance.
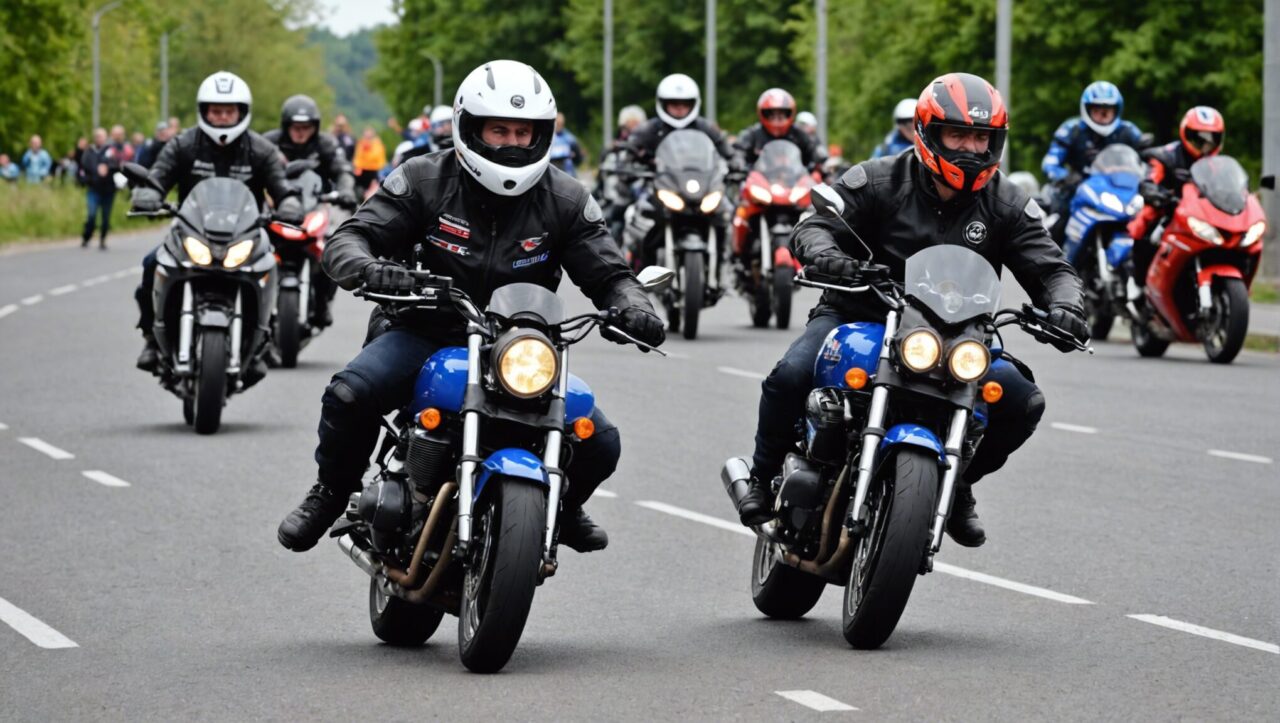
[1037, 262]
[593, 261]
[1054, 163]
[383, 227]
[816, 236]
[168, 166]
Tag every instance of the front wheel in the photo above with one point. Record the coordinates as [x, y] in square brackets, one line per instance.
[779, 590]
[497, 589]
[211, 380]
[1228, 322]
[400, 622]
[693, 293]
[1098, 312]
[783, 288]
[1147, 343]
[887, 558]
[288, 327]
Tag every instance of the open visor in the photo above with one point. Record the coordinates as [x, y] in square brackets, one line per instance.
[965, 160]
[509, 156]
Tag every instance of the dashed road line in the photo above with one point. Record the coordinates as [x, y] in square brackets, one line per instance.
[731, 371]
[1009, 584]
[7, 309]
[103, 478]
[96, 280]
[606, 494]
[1074, 428]
[123, 273]
[1202, 631]
[44, 447]
[1240, 456]
[35, 299]
[815, 700]
[33, 629]
[696, 517]
[3, 426]
[63, 290]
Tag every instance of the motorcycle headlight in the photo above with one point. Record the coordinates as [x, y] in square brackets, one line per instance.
[797, 193]
[238, 254]
[969, 361]
[671, 199]
[1135, 205]
[1112, 201]
[710, 202]
[761, 195]
[1204, 230]
[197, 251]
[527, 367]
[1254, 233]
[920, 350]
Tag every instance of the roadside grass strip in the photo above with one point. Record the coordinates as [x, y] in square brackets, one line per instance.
[31, 628]
[814, 700]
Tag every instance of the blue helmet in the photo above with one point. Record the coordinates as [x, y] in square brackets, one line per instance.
[1100, 92]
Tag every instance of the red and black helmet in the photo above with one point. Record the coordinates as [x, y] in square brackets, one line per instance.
[1202, 130]
[777, 111]
[965, 101]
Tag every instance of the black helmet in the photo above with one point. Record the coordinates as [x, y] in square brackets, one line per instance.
[299, 109]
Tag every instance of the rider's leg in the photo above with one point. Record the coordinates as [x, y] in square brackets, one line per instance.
[594, 460]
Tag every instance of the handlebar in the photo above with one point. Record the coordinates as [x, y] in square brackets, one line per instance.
[1036, 323]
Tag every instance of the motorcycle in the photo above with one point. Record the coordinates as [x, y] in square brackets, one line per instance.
[462, 517]
[774, 196]
[689, 185]
[1096, 235]
[898, 408]
[1198, 284]
[215, 289]
[305, 291]
[616, 191]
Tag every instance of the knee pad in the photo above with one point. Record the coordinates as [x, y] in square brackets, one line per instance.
[348, 396]
[1034, 409]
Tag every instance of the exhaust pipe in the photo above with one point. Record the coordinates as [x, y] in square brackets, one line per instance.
[361, 558]
[736, 476]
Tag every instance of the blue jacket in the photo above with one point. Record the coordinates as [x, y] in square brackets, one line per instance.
[893, 144]
[565, 152]
[1075, 145]
[37, 165]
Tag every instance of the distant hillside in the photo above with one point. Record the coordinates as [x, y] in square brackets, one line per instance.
[346, 60]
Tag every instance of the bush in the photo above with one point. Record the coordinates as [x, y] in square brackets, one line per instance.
[49, 211]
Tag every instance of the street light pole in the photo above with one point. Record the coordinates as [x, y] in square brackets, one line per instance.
[437, 94]
[97, 63]
[164, 75]
[1004, 43]
[710, 82]
[608, 75]
[820, 69]
[1271, 133]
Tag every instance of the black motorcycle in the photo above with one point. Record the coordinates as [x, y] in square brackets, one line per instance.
[215, 286]
[897, 410]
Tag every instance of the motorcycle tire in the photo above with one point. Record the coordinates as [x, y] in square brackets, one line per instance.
[497, 589]
[1147, 343]
[399, 622]
[1231, 312]
[211, 380]
[288, 328]
[189, 411]
[783, 289]
[887, 559]
[780, 591]
[760, 305]
[694, 295]
[1098, 312]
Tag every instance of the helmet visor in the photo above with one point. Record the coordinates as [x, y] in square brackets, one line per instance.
[1206, 142]
[678, 108]
[509, 155]
[976, 145]
[223, 115]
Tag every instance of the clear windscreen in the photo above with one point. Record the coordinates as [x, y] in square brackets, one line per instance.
[1117, 158]
[953, 282]
[780, 162]
[1221, 180]
[686, 150]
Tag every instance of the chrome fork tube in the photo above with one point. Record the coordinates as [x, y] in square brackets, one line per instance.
[713, 259]
[1104, 267]
[470, 445]
[237, 332]
[875, 427]
[551, 460]
[669, 248]
[766, 247]
[186, 325]
[304, 291]
[955, 438]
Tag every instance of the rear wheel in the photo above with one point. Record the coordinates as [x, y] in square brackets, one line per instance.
[783, 287]
[1097, 305]
[1228, 323]
[759, 303]
[693, 293]
[779, 590]
[288, 327]
[399, 622]
[211, 380]
[1147, 343]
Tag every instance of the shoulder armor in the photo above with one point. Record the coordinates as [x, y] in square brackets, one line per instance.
[1033, 210]
[855, 177]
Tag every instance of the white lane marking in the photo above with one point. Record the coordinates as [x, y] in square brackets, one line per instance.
[31, 628]
[7, 309]
[33, 300]
[96, 280]
[1202, 631]
[3, 426]
[103, 478]
[1008, 584]
[63, 290]
[123, 273]
[697, 517]
[1074, 428]
[740, 373]
[605, 494]
[42, 446]
[814, 700]
[1255, 458]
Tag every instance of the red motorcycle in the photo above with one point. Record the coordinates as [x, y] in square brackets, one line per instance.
[774, 195]
[1198, 284]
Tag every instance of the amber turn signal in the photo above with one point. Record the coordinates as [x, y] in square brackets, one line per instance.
[992, 392]
[584, 427]
[856, 378]
[429, 418]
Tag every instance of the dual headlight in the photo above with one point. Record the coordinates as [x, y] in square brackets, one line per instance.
[527, 366]
[921, 351]
[200, 254]
[674, 202]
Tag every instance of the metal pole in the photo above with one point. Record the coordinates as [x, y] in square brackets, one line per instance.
[1004, 43]
[437, 93]
[820, 69]
[164, 75]
[710, 110]
[608, 75]
[1271, 134]
[97, 63]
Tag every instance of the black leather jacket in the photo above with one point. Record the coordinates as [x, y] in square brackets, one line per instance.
[192, 157]
[644, 140]
[751, 140]
[893, 205]
[334, 168]
[1168, 167]
[481, 240]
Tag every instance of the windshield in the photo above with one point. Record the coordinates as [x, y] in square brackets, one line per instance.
[1221, 180]
[1117, 158]
[953, 282]
[523, 300]
[686, 150]
[780, 163]
[310, 185]
[220, 208]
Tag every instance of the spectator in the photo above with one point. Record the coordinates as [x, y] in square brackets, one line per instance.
[100, 161]
[137, 140]
[66, 168]
[123, 150]
[370, 157]
[175, 126]
[151, 148]
[82, 144]
[8, 169]
[342, 132]
[566, 152]
[36, 161]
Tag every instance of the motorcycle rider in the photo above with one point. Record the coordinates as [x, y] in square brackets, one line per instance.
[1200, 134]
[947, 192]
[903, 134]
[488, 213]
[1079, 140]
[221, 145]
[808, 122]
[441, 122]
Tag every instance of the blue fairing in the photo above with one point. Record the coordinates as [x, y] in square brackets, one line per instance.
[580, 401]
[511, 462]
[442, 384]
[1120, 249]
[912, 435]
[1088, 208]
[846, 347]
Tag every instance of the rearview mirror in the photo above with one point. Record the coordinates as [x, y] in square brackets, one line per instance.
[137, 175]
[826, 200]
[1269, 182]
[655, 278]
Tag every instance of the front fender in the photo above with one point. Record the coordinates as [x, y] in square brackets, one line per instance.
[1209, 273]
[511, 462]
[213, 319]
[911, 435]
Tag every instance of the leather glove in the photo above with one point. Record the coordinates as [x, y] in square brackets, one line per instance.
[836, 265]
[1071, 320]
[290, 211]
[386, 277]
[147, 200]
[641, 324]
[347, 198]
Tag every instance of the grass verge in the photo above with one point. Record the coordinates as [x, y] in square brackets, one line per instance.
[48, 212]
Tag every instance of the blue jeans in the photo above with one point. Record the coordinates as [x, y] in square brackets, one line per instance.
[98, 201]
[380, 380]
[1010, 423]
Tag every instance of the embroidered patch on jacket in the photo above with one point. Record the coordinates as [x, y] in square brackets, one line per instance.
[449, 224]
[530, 244]
[975, 233]
[449, 246]
[522, 263]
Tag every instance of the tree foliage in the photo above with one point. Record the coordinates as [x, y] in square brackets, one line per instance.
[346, 62]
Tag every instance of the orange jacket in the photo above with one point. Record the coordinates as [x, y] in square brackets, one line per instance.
[370, 155]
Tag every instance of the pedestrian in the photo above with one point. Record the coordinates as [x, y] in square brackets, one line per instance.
[123, 149]
[566, 152]
[8, 169]
[342, 132]
[175, 126]
[370, 157]
[100, 161]
[66, 168]
[151, 148]
[82, 144]
[36, 161]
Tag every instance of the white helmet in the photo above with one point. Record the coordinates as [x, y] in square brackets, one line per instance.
[224, 87]
[504, 89]
[805, 119]
[678, 86]
[631, 113]
[440, 114]
[905, 110]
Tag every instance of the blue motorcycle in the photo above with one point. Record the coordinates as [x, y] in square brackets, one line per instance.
[897, 410]
[1096, 239]
[462, 516]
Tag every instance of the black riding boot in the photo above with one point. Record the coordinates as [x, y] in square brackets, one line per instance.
[579, 532]
[303, 527]
[756, 507]
[963, 524]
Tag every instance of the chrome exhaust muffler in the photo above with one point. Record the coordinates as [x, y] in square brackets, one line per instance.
[362, 558]
[736, 477]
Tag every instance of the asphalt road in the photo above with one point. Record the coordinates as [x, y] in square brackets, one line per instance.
[1149, 490]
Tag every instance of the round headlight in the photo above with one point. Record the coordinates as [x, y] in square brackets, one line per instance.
[921, 350]
[527, 367]
[710, 202]
[671, 199]
[969, 361]
[197, 251]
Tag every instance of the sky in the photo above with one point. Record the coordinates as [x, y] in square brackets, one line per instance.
[344, 17]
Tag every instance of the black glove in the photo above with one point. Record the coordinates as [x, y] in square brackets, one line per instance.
[289, 210]
[1158, 197]
[836, 265]
[1071, 320]
[147, 200]
[641, 324]
[385, 277]
[347, 198]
